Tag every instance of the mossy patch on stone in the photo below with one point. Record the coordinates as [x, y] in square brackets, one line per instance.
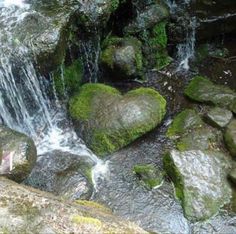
[68, 79]
[203, 90]
[110, 120]
[82, 220]
[187, 119]
[149, 174]
[80, 105]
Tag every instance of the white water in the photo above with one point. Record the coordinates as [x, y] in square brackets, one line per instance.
[24, 95]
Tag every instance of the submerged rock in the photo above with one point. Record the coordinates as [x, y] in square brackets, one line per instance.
[203, 90]
[109, 121]
[27, 210]
[219, 117]
[200, 179]
[63, 174]
[149, 174]
[230, 137]
[122, 57]
[18, 154]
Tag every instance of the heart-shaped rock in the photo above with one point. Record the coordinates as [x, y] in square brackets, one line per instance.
[108, 121]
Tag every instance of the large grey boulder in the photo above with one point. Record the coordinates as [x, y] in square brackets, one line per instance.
[27, 210]
[200, 179]
[63, 174]
[17, 156]
[108, 121]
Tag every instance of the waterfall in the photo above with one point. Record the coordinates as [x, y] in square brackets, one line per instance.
[186, 49]
[28, 102]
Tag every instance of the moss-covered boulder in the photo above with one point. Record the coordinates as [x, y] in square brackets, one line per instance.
[230, 137]
[200, 179]
[108, 121]
[184, 121]
[219, 117]
[149, 174]
[17, 156]
[203, 90]
[27, 210]
[63, 174]
[122, 57]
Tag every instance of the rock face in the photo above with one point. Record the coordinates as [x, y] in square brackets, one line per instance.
[230, 137]
[148, 18]
[63, 174]
[26, 210]
[18, 154]
[123, 57]
[219, 117]
[203, 90]
[110, 121]
[200, 181]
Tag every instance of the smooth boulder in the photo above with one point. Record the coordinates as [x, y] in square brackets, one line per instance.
[108, 121]
[27, 210]
[18, 154]
[63, 174]
[200, 179]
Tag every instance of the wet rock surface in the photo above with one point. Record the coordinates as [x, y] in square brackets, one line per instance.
[219, 117]
[18, 154]
[200, 181]
[63, 174]
[34, 211]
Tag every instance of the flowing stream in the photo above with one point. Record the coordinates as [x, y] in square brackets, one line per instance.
[24, 95]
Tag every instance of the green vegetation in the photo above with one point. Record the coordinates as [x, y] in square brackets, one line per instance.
[68, 79]
[81, 220]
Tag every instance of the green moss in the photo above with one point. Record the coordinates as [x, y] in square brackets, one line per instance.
[175, 176]
[93, 205]
[148, 174]
[107, 57]
[159, 36]
[68, 79]
[185, 120]
[80, 105]
[197, 82]
[114, 4]
[81, 220]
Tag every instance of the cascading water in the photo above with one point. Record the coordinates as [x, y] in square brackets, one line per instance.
[24, 103]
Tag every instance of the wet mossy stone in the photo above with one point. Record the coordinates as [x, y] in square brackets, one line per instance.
[230, 137]
[108, 121]
[219, 117]
[67, 79]
[184, 121]
[203, 138]
[122, 57]
[203, 90]
[18, 154]
[149, 174]
[200, 179]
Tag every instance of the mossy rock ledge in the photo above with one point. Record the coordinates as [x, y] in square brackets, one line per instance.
[27, 210]
[203, 90]
[107, 120]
